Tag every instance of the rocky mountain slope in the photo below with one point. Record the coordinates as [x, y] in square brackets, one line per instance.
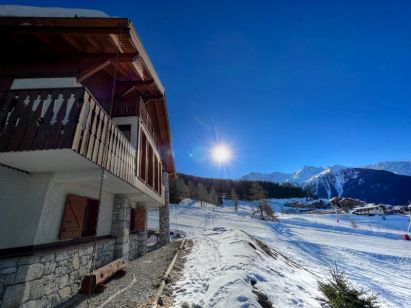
[384, 182]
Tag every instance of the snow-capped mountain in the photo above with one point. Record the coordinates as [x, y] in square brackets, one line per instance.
[297, 177]
[397, 167]
[305, 173]
[376, 186]
[276, 177]
[384, 182]
[331, 181]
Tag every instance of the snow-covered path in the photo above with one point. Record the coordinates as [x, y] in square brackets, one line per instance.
[219, 270]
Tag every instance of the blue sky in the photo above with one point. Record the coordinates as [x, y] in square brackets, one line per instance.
[284, 83]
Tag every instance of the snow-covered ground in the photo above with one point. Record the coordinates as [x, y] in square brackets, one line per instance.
[226, 257]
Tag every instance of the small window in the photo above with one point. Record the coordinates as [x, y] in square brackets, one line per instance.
[90, 218]
[126, 130]
[80, 217]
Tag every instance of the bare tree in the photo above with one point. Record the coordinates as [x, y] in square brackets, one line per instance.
[201, 194]
[257, 193]
[263, 209]
[212, 197]
[234, 198]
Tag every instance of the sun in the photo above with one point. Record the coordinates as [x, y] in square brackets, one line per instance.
[221, 153]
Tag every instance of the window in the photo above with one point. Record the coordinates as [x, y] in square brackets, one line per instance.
[126, 130]
[80, 217]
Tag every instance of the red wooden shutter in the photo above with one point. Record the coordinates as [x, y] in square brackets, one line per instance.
[150, 178]
[143, 156]
[156, 174]
[139, 219]
[73, 218]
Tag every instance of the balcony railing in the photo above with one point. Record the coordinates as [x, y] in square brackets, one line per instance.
[136, 108]
[68, 118]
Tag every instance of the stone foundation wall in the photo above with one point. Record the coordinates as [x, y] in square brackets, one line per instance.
[50, 277]
[133, 246]
[142, 243]
[120, 227]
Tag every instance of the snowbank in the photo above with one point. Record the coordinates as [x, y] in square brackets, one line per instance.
[223, 263]
[228, 267]
[35, 11]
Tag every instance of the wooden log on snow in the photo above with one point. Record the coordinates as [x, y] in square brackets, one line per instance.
[99, 276]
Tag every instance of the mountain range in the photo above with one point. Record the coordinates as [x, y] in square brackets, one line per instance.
[383, 182]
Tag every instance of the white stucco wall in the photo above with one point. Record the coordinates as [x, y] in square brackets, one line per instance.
[21, 199]
[53, 210]
[32, 207]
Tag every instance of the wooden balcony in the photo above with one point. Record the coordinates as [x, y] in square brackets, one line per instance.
[40, 121]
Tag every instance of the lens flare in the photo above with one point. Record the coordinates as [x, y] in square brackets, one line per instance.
[221, 153]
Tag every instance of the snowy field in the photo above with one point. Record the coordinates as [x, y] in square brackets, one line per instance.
[227, 261]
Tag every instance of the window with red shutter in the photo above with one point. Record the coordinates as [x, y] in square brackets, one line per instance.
[80, 217]
[73, 219]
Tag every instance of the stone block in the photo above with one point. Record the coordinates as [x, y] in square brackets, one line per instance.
[13, 295]
[75, 262]
[64, 293]
[63, 255]
[48, 258]
[9, 279]
[6, 263]
[49, 268]
[63, 281]
[35, 271]
[9, 270]
[36, 289]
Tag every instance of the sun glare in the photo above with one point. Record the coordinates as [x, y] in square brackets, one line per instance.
[221, 153]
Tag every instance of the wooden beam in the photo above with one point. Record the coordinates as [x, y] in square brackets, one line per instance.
[99, 276]
[96, 44]
[139, 68]
[132, 83]
[116, 42]
[92, 70]
[72, 42]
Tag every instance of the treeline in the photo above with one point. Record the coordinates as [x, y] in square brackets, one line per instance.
[189, 186]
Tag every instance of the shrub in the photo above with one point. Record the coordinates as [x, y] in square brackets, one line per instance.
[338, 292]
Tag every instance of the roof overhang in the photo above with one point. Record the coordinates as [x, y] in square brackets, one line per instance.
[111, 41]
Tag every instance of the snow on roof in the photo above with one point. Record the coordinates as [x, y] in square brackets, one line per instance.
[36, 11]
[370, 206]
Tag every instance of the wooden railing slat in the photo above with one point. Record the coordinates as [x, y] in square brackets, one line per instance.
[69, 118]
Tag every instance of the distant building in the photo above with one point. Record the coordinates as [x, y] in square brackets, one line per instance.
[57, 78]
[370, 210]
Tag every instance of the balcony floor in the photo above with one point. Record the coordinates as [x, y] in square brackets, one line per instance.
[69, 166]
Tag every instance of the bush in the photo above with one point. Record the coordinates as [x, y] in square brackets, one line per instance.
[340, 293]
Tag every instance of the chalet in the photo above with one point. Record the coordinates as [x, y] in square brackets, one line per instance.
[370, 210]
[85, 151]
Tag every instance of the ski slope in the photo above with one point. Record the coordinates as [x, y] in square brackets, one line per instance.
[226, 259]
